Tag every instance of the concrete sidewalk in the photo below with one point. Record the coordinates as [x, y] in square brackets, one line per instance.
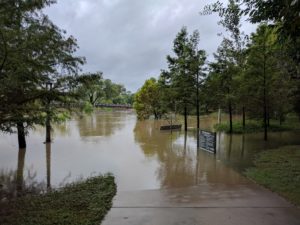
[207, 204]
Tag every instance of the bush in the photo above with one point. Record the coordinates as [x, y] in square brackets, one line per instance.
[84, 202]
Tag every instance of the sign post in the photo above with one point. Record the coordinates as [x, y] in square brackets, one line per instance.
[208, 141]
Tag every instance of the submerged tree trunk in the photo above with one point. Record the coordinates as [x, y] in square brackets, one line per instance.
[21, 135]
[185, 119]
[230, 116]
[155, 115]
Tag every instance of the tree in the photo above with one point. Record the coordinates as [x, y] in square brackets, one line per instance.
[264, 73]
[224, 69]
[35, 51]
[147, 100]
[90, 87]
[185, 71]
[230, 56]
[286, 12]
[285, 17]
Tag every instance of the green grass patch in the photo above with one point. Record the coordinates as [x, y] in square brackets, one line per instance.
[253, 126]
[85, 202]
[279, 170]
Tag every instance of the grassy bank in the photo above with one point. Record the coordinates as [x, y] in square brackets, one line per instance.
[279, 170]
[253, 126]
[82, 203]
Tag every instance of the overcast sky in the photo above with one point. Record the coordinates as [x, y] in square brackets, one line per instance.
[128, 40]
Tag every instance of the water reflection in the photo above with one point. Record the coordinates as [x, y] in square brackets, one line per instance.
[100, 124]
[136, 152]
[48, 164]
[22, 182]
[239, 150]
[183, 164]
[19, 182]
[20, 170]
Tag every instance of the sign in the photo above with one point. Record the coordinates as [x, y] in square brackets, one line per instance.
[208, 141]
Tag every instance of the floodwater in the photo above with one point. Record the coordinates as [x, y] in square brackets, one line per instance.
[139, 155]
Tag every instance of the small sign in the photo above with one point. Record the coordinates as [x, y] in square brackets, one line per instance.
[208, 141]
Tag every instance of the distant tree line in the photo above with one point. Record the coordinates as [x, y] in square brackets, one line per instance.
[256, 76]
[93, 88]
[38, 68]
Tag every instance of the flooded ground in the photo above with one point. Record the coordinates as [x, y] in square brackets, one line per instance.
[140, 155]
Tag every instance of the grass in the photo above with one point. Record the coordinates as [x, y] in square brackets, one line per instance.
[81, 203]
[279, 170]
[253, 126]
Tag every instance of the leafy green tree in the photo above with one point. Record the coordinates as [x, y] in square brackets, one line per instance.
[35, 52]
[224, 69]
[90, 87]
[286, 12]
[285, 17]
[230, 56]
[147, 100]
[125, 97]
[268, 86]
[185, 72]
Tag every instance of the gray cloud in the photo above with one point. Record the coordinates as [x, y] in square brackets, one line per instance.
[128, 40]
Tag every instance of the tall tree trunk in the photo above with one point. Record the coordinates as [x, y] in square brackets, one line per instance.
[244, 117]
[265, 96]
[281, 119]
[21, 135]
[92, 100]
[230, 116]
[185, 118]
[48, 129]
[265, 122]
[155, 115]
[197, 105]
[265, 107]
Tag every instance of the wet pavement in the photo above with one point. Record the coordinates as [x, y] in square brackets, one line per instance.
[207, 204]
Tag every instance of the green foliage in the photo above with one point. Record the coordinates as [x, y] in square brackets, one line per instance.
[284, 17]
[92, 87]
[285, 12]
[184, 69]
[147, 100]
[85, 202]
[266, 78]
[34, 51]
[279, 170]
[181, 83]
[87, 108]
[229, 60]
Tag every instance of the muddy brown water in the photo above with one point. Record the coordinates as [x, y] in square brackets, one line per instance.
[139, 155]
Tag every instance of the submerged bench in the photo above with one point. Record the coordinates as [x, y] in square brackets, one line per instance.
[171, 127]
